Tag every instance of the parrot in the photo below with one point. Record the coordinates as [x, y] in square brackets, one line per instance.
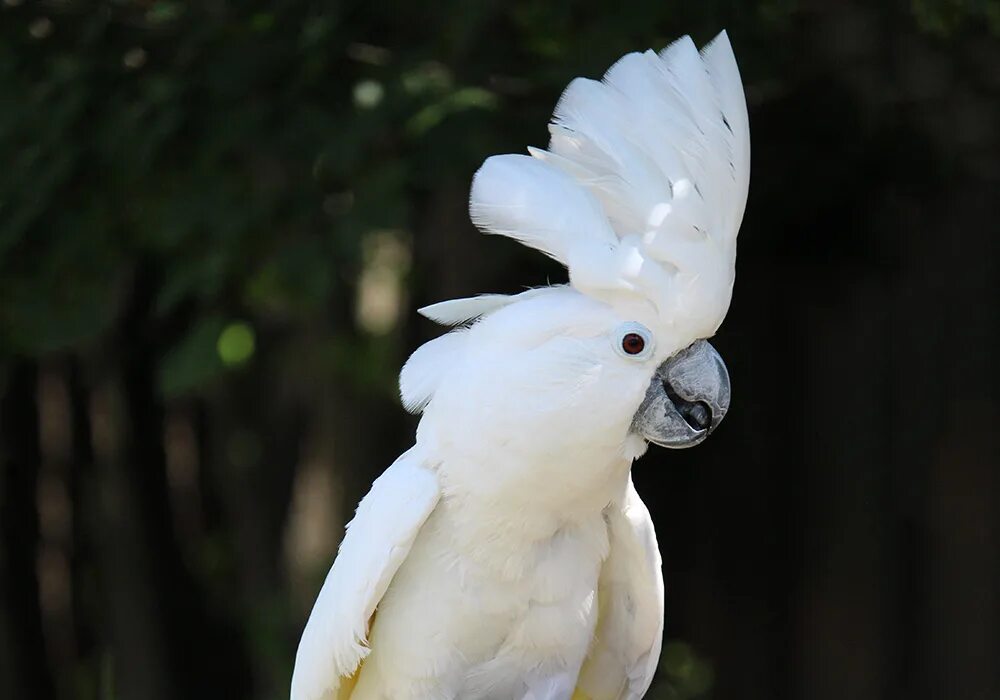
[507, 554]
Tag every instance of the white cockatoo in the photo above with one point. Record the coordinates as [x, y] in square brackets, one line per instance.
[507, 555]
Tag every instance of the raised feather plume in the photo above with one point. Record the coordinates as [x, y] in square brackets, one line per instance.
[643, 186]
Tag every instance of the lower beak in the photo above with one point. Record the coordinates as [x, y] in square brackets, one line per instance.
[686, 399]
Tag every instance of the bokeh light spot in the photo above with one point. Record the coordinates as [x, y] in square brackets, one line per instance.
[236, 343]
[134, 58]
[40, 28]
[368, 94]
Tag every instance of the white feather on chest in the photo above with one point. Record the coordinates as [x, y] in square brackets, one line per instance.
[534, 603]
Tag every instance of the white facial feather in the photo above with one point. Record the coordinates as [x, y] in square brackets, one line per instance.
[539, 379]
[426, 368]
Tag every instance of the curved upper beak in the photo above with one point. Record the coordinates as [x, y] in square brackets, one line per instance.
[686, 399]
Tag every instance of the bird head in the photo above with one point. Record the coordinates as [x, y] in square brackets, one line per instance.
[640, 195]
[552, 372]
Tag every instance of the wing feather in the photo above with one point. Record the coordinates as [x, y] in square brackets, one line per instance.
[378, 539]
[626, 648]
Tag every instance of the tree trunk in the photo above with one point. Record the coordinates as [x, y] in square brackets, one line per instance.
[24, 666]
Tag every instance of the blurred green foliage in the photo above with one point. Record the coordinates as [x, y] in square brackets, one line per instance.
[239, 152]
[945, 18]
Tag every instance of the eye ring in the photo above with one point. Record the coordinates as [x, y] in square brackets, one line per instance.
[633, 341]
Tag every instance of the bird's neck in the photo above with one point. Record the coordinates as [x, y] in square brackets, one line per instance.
[521, 499]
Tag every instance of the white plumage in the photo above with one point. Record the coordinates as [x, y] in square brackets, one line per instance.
[662, 148]
[507, 554]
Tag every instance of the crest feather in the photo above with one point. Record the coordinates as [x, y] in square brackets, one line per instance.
[537, 204]
[643, 186]
[455, 312]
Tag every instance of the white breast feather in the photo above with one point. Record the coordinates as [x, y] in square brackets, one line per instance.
[626, 646]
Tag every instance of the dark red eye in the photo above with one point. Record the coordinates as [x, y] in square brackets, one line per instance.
[633, 343]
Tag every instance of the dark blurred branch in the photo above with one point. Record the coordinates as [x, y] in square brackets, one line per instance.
[83, 495]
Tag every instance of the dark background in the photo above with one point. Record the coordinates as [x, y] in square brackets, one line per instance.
[217, 219]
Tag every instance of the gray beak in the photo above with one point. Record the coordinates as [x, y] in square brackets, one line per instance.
[686, 400]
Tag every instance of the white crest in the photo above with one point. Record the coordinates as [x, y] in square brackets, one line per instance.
[642, 189]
